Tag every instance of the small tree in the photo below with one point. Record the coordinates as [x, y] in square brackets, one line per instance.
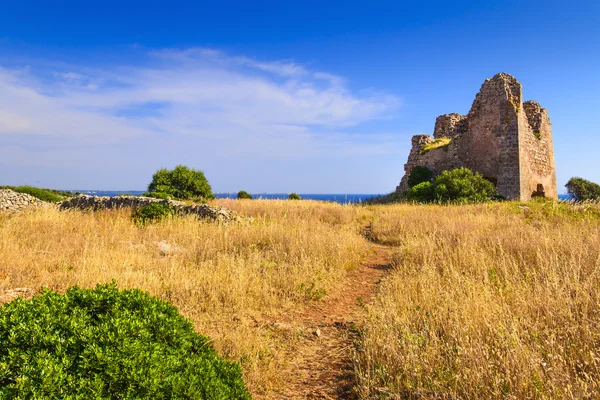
[582, 189]
[242, 194]
[294, 196]
[182, 183]
[419, 174]
[463, 185]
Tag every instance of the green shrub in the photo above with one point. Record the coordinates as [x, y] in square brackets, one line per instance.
[423, 192]
[182, 183]
[242, 194]
[418, 175]
[159, 195]
[104, 343]
[394, 197]
[462, 185]
[153, 212]
[294, 196]
[582, 189]
[51, 196]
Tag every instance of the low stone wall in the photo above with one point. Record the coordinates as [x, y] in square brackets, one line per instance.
[96, 203]
[11, 201]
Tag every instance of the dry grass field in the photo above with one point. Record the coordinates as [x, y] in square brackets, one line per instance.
[226, 278]
[487, 301]
[482, 301]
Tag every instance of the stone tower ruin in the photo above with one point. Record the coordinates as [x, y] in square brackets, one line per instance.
[505, 139]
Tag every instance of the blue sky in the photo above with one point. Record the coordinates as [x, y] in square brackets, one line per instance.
[312, 97]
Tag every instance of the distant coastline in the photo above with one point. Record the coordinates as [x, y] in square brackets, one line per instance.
[334, 197]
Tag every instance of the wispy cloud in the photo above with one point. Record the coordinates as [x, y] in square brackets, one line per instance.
[228, 104]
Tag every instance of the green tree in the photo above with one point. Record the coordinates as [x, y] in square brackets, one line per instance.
[104, 343]
[294, 196]
[181, 183]
[418, 175]
[242, 194]
[582, 189]
[463, 186]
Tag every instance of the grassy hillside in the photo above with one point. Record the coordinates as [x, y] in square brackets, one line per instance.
[484, 301]
[227, 278]
[488, 301]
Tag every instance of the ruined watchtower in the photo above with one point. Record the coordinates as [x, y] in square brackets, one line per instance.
[505, 139]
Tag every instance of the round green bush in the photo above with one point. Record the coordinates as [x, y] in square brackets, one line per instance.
[153, 212]
[242, 194]
[418, 175]
[107, 344]
[181, 183]
[461, 185]
[422, 192]
[582, 189]
[294, 196]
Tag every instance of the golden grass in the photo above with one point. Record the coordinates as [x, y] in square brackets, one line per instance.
[484, 301]
[487, 301]
[226, 278]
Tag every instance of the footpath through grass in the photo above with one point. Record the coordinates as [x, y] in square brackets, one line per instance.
[484, 301]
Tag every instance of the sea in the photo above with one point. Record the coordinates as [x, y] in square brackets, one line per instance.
[337, 198]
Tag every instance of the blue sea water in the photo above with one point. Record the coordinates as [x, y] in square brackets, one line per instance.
[338, 198]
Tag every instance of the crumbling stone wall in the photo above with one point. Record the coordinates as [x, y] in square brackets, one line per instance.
[507, 141]
[450, 125]
[96, 203]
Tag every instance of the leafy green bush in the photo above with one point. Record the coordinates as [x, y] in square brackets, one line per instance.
[582, 189]
[242, 194]
[105, 343]
[153, 212]
[463, 186]
[423, 192]
[182, 183]
[159, 195]
[418, 175]
[460, 185]
[51, 196]
[294, 196]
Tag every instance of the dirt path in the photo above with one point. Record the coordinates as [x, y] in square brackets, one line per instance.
[322, 362]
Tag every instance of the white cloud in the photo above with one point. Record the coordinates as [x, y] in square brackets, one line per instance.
[230, 104]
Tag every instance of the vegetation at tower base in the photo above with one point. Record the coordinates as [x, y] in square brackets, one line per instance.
[106, 343]
[418, 175]
[182, 183]
[460, 185]
[242, 194]
[582, 189]
[294, 196]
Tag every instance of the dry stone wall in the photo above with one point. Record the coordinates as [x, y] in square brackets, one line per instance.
[95, 203]
[505, 139]
[11, 201]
